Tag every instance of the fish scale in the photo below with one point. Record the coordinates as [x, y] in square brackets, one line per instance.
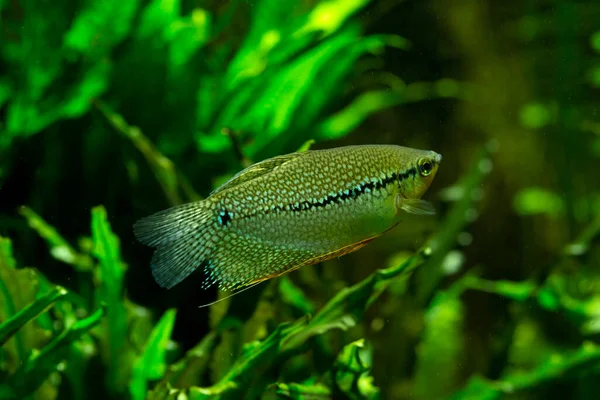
[288, 211]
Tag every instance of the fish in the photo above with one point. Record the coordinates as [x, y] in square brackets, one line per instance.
[288, 211]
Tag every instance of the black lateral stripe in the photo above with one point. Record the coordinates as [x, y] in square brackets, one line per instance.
[343, 195]
[346, 194]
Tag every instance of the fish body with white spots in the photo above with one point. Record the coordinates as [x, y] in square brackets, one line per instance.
[288, 211]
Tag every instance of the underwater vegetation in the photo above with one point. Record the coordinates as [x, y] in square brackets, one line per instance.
[111, 111]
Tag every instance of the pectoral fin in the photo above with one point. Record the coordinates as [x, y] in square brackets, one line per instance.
[416, 206]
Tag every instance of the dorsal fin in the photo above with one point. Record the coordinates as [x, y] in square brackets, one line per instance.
[257, 170]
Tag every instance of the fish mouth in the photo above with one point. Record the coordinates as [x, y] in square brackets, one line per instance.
[437, 158]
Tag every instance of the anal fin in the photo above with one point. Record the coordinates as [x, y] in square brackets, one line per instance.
[315, 260]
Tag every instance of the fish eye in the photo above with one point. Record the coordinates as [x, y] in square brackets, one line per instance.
[425, 166]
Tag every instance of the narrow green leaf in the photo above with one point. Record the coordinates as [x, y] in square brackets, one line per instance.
[306, 145]
[297, 391]
[18, 289]
[519, 291]
[9, 308]
[79, 358]
[97, 28]
[41, 364]
[256, 358]
[110, 293]
[582, 243]
[14, 323]
[164, 391]
[465, 196]
[59, 247]
[292, 86]
[293, 296]
[350, 117]
[269, 20]
[347, 307]
[187, 371]
[94, 83]
[166, 173]
[438, 366]
[106, 250]
[152, 364]
[328, 16]
[352, 369]
[187, 36]
[558, 366]
[550, 296]
[6, 257]
[157, 16]
[333, 74]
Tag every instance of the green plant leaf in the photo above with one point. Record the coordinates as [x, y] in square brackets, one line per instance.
[438, 366]
[41, 363]
[350, 117]
[167, 175]
[297, 391]
[54, 83]
[78, 361]
[300, 60]
[256, 358]
[557, 366]
[186, 372]
[329, 16]
[9, 327]
[157, 16]
[293, 296]
[97, 28]
[110, 293]
[347, 307]
[59, 247]
[306, 145]
[18, 290]
[352, 369]
[152, 364]
[464, 195]
[582, 242]
[519, 291]
[164, 391]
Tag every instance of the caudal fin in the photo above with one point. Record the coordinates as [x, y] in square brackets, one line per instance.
[182, 238]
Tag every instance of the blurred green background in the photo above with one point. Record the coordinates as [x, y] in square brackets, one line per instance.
[113, 110]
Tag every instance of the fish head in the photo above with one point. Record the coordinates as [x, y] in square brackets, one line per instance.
[419, 169]
[427, 167]
[419, 173]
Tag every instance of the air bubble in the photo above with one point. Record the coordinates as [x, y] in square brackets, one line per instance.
[486, 165]
[471, 215]
[576, 249]
[464, 239]
[453, 262]
[377, 324]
